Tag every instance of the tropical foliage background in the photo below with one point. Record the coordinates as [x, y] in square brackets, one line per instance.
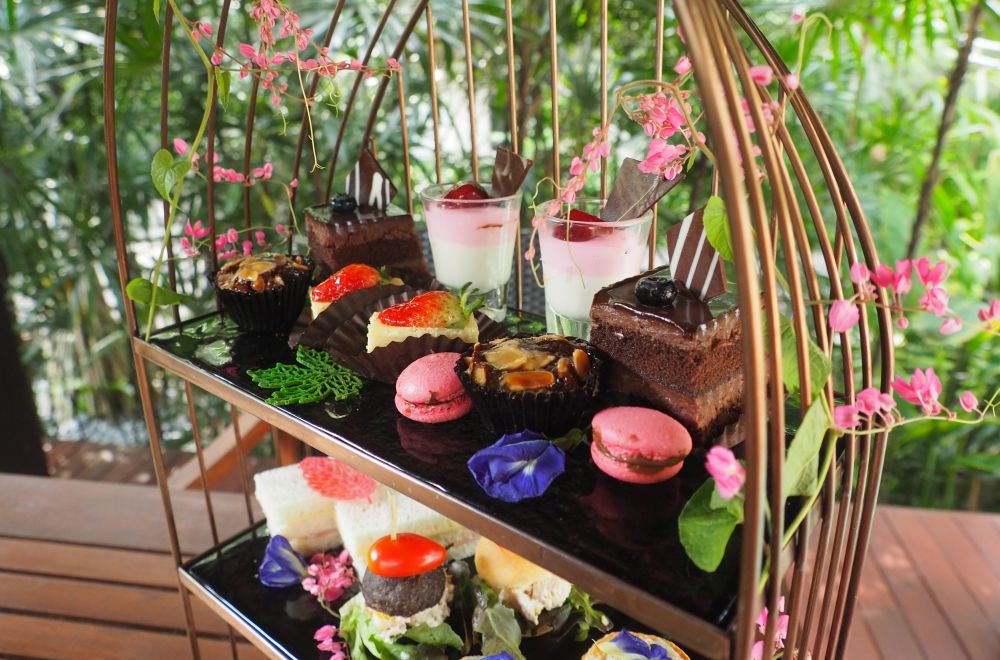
[879, 78]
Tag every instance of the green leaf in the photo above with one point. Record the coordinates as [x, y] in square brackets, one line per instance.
[181, 168]
[500, 630]
[156, 10]
[162, 172]
[314, 378]
[734, 505]
[800, 474]
[224, 80]
[717, 227]
[704, 531]
[215, 353]
[140, 290]
[820, 366]
[570, 441]
[439, 635]
[589, 617]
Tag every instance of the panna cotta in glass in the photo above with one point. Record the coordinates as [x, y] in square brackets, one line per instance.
[472, 236]
[583, 254]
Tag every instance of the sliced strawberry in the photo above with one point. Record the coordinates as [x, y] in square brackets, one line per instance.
[349, 278]
[331, 478]
[467, 191]
[578, 231]
[434, 309]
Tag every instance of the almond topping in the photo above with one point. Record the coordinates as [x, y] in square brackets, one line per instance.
[479, 374]
[581, 362]
[564, 368]
[520, 381]
[506, 357]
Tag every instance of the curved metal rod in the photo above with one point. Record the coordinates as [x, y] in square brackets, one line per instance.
[210, 137]
[332, 166]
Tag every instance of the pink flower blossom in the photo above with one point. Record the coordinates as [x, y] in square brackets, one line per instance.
[327, 642]
[232, 236]
[884, 276]
[968, 401]
[792, 81]
[846, 417]
[198, 231]
[577, 166]
[781, 632]
[935, 301]
[220, 241]
[280, 228]
[329, 576]
[356, 65]
[903, 280]
[951, 325]
[393, 63]
[923, 389]
[228, 254]
[664, 159]
[660, 115]
[728, 473]
[903, 323]
[844, 315]
[180, 146]
[264, 172]
[991, 313]
[797, 16]
[189, 248]
[204, 28]
[248, 51]
[260, 238]
[931, 276]
[683, 65]
[762, 74]
[247, 248]
[294, 183]
[871, 401]
[216, 58]
[860, 273]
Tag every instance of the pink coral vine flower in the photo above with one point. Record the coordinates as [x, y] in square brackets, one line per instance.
[935, 301]
[951, 325]
[923, 389]
[991, 313]
[781, 632]
[683, 65]
[762, 74]
[844, 315]
[664, 159]
[931, 276]
[846, 417]
[180, 146]
[728, 473]
[326, 636]
[968, 401]
[329, 576]
[871, 401]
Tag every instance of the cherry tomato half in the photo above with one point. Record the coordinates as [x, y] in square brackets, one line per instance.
[405, 556]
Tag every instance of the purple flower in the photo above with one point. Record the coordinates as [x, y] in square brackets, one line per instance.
[628, 643]
[498, 656]
[282, 566]
[517, 466]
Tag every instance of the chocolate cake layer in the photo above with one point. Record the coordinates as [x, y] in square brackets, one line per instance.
[704, 415]
[690, 346]
[376, 238]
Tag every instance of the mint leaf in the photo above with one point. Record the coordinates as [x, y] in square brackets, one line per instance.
[314, 378]
[223, 80]
[162, 172]
[717, 227]
[820, 366]
[704, 531]
[801, 471]
[140, 290]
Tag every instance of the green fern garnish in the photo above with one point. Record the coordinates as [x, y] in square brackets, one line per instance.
[314, 378]
[470, 299]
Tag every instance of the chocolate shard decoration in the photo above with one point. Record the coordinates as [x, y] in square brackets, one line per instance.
[693, 260]
[369, 184]
[635, 192]
[509, 172]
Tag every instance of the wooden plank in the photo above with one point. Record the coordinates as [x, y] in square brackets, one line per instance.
[973, 629]
[102, 602]
[220, 454]
[87, 562]
[880, 611]
[111, 515]
[861, 645]
[984, 534]
[930, 627]
[41, 637]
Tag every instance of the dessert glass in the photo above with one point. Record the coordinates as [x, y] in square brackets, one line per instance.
[472, 240]
[580, 257]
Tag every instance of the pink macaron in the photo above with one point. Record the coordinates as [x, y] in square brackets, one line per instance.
[429, 391]
[638, 445]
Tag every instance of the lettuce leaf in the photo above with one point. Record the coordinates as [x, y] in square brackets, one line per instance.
[364, 642]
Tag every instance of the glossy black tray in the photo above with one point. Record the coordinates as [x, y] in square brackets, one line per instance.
[623, 530]
[285, 619]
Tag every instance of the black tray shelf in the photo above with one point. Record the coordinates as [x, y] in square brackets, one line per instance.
[616, 541]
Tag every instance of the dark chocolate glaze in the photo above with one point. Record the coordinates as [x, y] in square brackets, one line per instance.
[687, 313]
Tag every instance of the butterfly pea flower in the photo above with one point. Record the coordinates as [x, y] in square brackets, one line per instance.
[282, 566]
[517, 466]
[633, 647]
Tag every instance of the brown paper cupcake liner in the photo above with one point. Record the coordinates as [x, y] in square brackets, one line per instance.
[271, 311]
[342, 331]
[552, 412]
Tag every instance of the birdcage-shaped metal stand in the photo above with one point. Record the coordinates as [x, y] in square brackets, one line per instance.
[779, 231]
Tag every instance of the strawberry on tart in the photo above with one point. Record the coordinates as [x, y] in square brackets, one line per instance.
[434, 313]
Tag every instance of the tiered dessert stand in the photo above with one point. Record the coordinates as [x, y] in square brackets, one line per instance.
[712, 615]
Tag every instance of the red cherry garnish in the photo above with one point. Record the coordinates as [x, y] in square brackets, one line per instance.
[405, 556]
[467, 191]
[578, 233]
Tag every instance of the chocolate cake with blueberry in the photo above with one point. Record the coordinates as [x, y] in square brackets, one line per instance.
[361, 225]
[675, 339]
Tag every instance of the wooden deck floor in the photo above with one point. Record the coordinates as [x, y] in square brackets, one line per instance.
[85, 572]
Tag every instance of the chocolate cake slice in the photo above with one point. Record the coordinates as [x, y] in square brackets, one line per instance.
[683, 356]
[362, 226]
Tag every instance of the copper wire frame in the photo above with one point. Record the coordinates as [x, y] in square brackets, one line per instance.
[819, 577]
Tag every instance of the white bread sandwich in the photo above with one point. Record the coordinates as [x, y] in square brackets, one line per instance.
[294, 509]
